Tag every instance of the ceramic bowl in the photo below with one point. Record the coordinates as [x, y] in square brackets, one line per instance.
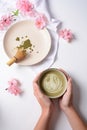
[53, 83]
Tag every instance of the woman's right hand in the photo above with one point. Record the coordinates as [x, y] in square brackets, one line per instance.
[44, 101]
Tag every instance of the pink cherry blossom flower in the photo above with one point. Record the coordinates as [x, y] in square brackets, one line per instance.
[66, 34]
[33, 13]
[14, 87]
[14, 90]
[24, 6]
[5, 21]
[13, 82]
[41, 21]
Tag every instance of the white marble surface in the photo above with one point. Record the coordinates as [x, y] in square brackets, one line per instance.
[22, 113]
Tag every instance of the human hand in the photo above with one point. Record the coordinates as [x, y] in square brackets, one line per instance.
[45, 103]
[66, 100]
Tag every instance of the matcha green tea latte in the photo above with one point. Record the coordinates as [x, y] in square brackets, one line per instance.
[53, 83]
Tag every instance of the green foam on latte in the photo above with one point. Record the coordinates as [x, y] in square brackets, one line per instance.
[53, 83]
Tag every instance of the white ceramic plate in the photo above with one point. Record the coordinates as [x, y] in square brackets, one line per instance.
[40, 39]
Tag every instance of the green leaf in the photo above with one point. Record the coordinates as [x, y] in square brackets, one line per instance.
[16, 12]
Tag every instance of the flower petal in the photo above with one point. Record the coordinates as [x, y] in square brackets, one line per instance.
[66, 34]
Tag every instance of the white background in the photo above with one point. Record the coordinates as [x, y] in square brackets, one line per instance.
[22, 112]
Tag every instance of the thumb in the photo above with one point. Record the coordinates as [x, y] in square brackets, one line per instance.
[36, 89]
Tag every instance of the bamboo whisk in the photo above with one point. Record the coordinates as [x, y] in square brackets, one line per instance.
[20, 55]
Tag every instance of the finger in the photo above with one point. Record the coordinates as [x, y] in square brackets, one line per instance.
[69, 88]
[36, 78]
[35, 88]
[37, 91]
[65, 73]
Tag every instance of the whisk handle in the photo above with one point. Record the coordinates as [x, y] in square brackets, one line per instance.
[11, 61]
